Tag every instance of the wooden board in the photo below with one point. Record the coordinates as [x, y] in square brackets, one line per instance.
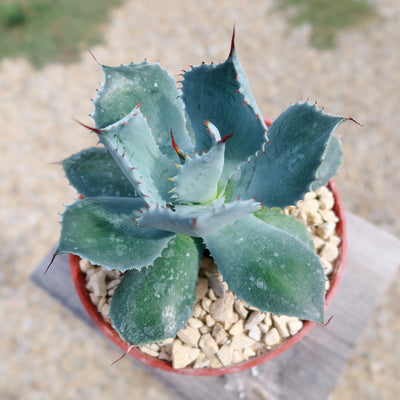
[311, 368]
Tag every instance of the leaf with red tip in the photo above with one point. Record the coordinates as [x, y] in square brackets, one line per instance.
[217, 93]
[151, 88]
[197, 221]
[101, 230]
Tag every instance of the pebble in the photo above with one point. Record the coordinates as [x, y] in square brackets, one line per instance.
[272, 338]
[329, 251]
[225, 354]
[237, 328]
[202, 288]
[182, 356]
[208, 345]
[189, 336]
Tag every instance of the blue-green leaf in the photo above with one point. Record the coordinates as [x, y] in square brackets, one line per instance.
[151, 86]
[154, 304]
[269, 268]
[93, 172]
[197, 179]
[332, 160]
[286, 171]
[220, 94]
[197, 221]
[287, 223]
[101, 230]
[131, 143]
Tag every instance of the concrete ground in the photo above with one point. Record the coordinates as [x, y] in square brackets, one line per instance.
[45, 352]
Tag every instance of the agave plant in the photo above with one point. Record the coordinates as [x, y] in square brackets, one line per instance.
[193, 168]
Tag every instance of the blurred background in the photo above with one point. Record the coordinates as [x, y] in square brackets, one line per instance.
[344, 54]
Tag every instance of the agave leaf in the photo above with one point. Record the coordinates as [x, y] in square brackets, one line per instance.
[197, 221]
[152, 87]
[132, 145]
[197, 179]
[269, 268]
[287, 170]
[287, 223]
[220, 94]
[155, 303]
[93, 172]
[333, 159]
[101, 230]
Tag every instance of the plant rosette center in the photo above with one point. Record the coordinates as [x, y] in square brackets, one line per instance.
[223, 330]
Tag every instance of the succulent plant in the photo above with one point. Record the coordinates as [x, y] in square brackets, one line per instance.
[184, 170]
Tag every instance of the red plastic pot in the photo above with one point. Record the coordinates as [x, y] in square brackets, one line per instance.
[335, 278]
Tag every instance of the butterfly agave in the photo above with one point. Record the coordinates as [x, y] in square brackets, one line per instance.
[186, 169]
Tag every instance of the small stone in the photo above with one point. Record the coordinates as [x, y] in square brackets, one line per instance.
[182, 355]
[310, 196]
[211, 295]
[241, 341]
[189, 336]
[248, 352]
[335, 240]
[237, 328]
[327, 284]
[240, 308]
[222, 309]
[206, 304]
[329, 216]
[113, 284]
[167, 342]
[105, 310]
[255, 333]
[329, 251]
[204, 329]
[281, 324]
[328, 267]
[264, 327]
[214, 362]
[318, 242]
[94, 299]
[326, 200]
[85, 265]
[268, 319]
[219, 334]
[237, 356]
[195, 323]
[225, 354]
[210, 321]
[202, 361]
[202, 288]
[197, 310]
[148, 350]
[326, 229]
[295, 325]
[314, 218]
[101, 303]
[97, 283]
[254, 319]
[164, 355]
[208, 345]
[308, 206]
[217, 287]
[272, 338]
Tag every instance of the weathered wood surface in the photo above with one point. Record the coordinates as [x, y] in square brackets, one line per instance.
[310, 369]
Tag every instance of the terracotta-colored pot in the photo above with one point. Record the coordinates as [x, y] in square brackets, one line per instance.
[335, 278]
